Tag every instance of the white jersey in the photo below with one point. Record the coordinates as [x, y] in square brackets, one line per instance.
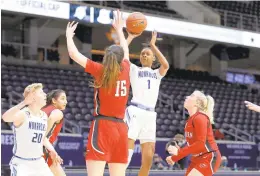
[145, 83]
[29, 137]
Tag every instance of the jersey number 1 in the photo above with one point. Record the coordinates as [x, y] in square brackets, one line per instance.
[37, 138]
[149, 83]
[120, 88]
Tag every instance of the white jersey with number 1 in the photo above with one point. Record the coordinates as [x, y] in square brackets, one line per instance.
[145, 83]
[140, 116]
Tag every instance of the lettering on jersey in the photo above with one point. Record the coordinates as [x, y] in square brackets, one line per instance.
[188, 134]
[142, 74]
[37, 126]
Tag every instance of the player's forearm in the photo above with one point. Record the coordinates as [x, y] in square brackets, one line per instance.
[163, 61]
[123, 42]
[129, 40]
[74, 53]
[10, 115]
[48, 145]
[195, 148]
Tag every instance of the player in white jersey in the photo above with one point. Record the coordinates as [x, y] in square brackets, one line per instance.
[29, 127]
[140, 115]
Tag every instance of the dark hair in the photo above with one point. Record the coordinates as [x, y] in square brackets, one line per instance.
[113, 57]
[53, 94]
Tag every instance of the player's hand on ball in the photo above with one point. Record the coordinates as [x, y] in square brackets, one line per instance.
[71, 27]
[252, 106]
[118, 22]
[133, 35]
[169, 160]
[154, 37]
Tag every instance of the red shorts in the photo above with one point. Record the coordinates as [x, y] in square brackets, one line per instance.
[108, 140]
[47, 157]
[207, 164]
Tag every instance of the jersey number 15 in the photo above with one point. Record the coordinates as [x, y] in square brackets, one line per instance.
[121, 88]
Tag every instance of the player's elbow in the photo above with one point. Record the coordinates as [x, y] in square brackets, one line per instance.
[5, 118]
[166, 66]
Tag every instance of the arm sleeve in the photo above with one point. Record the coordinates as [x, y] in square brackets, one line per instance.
[159, 76]
[200, 129]
[93, 68]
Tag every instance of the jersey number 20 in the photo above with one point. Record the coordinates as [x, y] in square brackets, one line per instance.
[37, 137]
[120, 88]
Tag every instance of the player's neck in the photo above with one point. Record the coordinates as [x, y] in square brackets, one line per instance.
[192, 111]
[35, 110]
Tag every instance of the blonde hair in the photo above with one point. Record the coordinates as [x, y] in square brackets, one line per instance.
[31, 88]
[205, 104]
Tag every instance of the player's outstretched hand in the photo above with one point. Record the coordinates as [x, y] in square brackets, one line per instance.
[118, 22]
[71, 27]
[252, 106]
[56, 158]
[170, 161]
[154, 37]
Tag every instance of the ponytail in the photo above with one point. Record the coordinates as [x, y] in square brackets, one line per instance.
[210, 108]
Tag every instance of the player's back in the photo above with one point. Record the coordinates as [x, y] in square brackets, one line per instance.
[111, 102]
[145, 83]
[56, 128]
[28, 138]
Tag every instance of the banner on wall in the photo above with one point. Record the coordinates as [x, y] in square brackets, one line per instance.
[69, 146]
[38, 7]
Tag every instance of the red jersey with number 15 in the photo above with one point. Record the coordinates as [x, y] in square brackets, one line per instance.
[110, 103]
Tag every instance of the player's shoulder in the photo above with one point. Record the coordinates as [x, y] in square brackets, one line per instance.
[200, 116]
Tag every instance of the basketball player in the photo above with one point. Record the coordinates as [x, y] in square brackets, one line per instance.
[29, 127]
[201, 144]
[107, 141]
[141, 115]
[56, 102]
[252, 106]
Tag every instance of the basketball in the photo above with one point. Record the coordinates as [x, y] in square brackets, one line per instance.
[136, 23]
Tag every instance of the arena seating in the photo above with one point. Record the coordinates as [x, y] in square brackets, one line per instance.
[229, 98]
[238, 14]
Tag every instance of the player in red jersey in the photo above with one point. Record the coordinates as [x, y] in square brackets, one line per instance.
[201, 144]
[107, 141]
[56, 102]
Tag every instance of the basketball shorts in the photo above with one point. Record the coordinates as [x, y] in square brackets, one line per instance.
[21, 167]
[107, 140]
[207, 164]
[141, 124]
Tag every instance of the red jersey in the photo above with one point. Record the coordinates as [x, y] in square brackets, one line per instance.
[56, 128]
[110, 103]
[199, 136]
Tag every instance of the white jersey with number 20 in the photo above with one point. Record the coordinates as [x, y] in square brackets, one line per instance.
[145, 83]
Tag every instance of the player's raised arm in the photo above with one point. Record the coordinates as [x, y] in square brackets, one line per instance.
[131, 37]
[72, 49]
[15, 114]
[163, 61]
[118, 24]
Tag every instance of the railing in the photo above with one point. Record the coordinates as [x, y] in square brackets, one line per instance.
[237, 134]
[239, 20]
[167, 99]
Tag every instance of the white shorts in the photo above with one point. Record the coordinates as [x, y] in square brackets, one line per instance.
[20, 167]
[141, 124]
